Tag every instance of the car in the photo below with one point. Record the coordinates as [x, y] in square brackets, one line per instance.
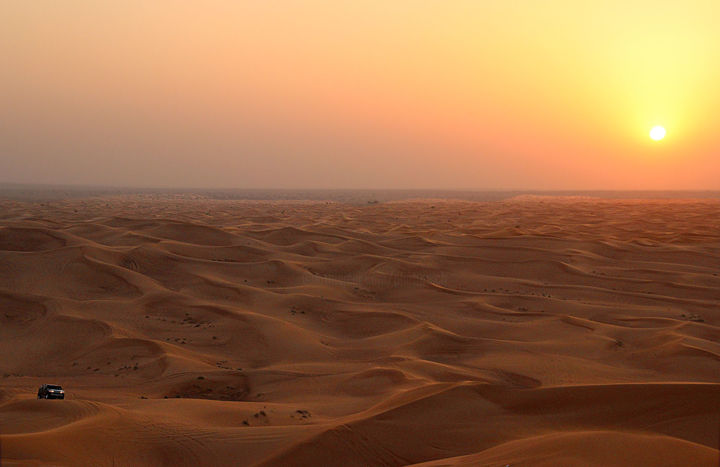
[51, 391]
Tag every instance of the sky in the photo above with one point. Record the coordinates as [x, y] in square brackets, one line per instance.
[462, 94]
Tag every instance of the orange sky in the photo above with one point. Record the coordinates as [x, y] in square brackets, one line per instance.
[374, 94]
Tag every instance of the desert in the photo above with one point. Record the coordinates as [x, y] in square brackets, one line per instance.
[359, 233]
[188, 331]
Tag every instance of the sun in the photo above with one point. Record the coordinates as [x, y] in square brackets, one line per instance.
[657, 133]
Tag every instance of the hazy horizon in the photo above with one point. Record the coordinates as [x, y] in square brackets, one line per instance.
[35, 193]
[4, 185]
[487, 96]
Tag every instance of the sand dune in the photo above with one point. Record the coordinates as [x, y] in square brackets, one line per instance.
[534, 331]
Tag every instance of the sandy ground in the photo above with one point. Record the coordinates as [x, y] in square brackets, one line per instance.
[199, 333]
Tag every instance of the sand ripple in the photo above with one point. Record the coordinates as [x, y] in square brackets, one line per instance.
[534, 331]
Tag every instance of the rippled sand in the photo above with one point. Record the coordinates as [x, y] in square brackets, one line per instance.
[533, 331]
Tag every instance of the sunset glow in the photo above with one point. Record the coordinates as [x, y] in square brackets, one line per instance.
[657, 133]
[462, 94]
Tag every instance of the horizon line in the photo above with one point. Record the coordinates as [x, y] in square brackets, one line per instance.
[10, 185]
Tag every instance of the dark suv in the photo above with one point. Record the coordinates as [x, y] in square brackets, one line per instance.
[51, 391]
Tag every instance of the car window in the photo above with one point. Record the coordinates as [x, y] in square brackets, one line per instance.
[53, 387]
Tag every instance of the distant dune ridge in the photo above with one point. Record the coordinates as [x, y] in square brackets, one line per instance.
[206, 332]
